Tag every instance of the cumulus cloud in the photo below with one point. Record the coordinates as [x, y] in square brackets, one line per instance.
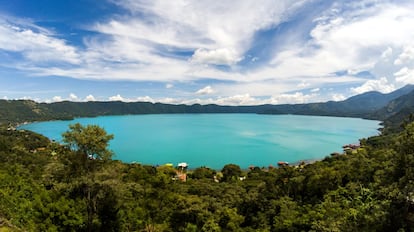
[238, 99]
[205, 90]
[405, 76]
[297, 97]
[117, 97]
[348, 37]
[207, 25]
[338, 97]
[73, 97]
[406, 56]
[90, 97]
[242, 99]
[217, 33]
[381, 85]
[145, 99]
[222, 56]
[57, 99]
[342, 41]
[169, 86]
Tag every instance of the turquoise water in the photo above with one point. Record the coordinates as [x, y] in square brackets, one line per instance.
[214, 140]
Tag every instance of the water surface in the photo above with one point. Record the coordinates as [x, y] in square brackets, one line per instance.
[214, 140]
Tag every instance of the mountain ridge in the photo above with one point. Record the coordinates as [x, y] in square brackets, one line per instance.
[371, 105]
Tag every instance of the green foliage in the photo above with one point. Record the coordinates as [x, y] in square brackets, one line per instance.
[90, 141]
[392, 108]
[44, 187]
[203, 173]
[231, 172]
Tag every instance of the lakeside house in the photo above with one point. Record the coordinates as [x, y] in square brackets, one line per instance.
[282, 163]
[182, 171]
[351, 146]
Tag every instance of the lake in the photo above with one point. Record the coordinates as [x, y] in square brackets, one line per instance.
[214, 140]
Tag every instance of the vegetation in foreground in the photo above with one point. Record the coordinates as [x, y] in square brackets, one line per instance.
[45, 186]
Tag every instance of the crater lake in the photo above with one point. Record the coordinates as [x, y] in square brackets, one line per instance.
[214, 140]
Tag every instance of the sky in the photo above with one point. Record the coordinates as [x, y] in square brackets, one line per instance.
[226, 52]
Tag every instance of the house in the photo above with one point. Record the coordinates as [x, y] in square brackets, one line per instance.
[282, 163]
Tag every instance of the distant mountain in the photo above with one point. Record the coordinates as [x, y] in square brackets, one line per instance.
[367, 105]
[18, 111]
[396, 111]
[376, 100]
[362, 105]
[23, 110]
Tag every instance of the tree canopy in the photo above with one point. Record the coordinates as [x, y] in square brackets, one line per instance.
[370, 189]
[91, 141]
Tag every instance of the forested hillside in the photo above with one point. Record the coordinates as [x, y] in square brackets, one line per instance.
[46, 186]
[372, 105]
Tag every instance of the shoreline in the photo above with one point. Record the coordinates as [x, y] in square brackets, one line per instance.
[243, 165]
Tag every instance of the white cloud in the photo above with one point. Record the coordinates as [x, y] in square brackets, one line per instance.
[205, 90]
[303, 84]
[5, 98]
[387, 53]
[222, 56]
[206, 25]
[338, 97]
[242, 99]
[169, 100]
[407, 56]
[57, 99]
[218, 32]
[381, 85]
[116, 98]
[73, 97]
[405, 76]
[353, 40]
[297, 97]
[90, 97]
[375, 37]
[238, 99]
[145, 99]
[37, 46]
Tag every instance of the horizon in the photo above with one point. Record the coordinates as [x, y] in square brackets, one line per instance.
[191, 104]
[244, 53]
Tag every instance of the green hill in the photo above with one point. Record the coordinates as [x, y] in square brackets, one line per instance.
[371, 105]
[45, 186]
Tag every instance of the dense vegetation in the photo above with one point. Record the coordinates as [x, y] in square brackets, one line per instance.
[47, 186]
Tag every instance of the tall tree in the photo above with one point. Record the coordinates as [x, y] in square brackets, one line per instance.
[231, 172]
[91, 141]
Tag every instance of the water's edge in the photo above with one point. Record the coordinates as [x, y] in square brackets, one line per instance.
[214, 140]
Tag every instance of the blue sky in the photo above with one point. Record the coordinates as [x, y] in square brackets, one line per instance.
[220, 51]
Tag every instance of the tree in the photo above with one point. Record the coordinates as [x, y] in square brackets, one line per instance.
[90, 141]
[203, 172]
[231, 172]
